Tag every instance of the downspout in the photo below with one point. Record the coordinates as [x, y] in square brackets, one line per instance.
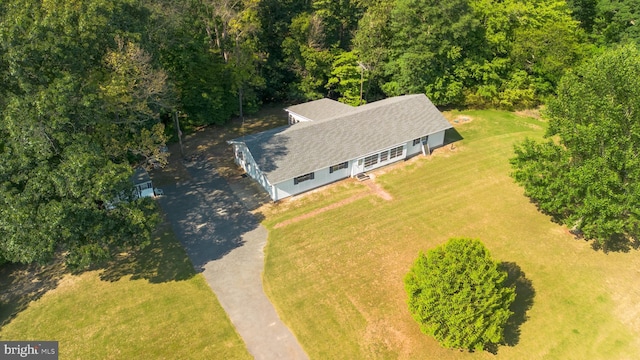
[427, 150]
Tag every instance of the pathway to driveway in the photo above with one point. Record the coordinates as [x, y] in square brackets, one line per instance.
[225, 242]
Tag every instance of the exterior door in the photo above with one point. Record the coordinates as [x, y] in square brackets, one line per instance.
[358, 167]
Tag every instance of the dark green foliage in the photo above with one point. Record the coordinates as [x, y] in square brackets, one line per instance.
[617, 21]
[202, 82]
[584, 11]
[80, 98]
[587, 174]
[275, 18]
[431, 43]
[480, 53]
[457, 295]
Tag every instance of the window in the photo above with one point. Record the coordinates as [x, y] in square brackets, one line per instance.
[143, 186]
[416, 141]
[395, 152]
[344, 165]
[305, 177]
[384, 156]
[425, 139]
[371, 160]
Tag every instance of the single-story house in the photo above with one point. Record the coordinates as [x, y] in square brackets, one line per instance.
[327, 141]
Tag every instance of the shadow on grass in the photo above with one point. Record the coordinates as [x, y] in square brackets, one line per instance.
[615, 243]
[523, 302]
[21, 284]
[451, 136]
[161, 261]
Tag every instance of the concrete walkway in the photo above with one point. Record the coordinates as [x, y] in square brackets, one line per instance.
[225, 242]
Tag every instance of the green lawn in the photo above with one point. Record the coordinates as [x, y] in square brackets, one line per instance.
[336, 278]
[148, 306]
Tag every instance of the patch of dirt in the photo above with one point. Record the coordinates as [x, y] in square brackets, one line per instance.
[381, 338]
[370, 184]
[321, 210]
[532, 113]
[377, 189]
[461, 120]
[210, 142]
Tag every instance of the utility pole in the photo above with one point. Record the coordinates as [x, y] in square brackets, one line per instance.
[240, 94]
[178, 131]
[362, 69]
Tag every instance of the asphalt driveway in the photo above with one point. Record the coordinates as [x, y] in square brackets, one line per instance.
[225, 242]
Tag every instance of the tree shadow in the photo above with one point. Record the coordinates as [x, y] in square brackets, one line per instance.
[161, 261]
[206, 216]
[523, 302]
[615, 243]
[21, 284]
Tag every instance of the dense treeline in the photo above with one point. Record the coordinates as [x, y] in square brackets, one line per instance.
[586, 174]
[88, 88]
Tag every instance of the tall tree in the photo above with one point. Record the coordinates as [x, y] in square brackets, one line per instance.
[232, 26]
[347, 79]
[201, 80]
[431, 40]
[587, 173]
[307, 57]
[339, 19]
[81, 100]
[372, 41]
[617, 21]
[275, 18]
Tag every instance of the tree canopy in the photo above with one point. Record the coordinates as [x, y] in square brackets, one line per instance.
[89, 87]
[81, 98]
[457, 295]
[587, 172]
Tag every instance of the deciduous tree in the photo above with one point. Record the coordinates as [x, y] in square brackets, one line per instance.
[587, 173]
[79, 106]
[457, 295]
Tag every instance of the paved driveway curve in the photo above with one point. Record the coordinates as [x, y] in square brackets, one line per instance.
[225, 242]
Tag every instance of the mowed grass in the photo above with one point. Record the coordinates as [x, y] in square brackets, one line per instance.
[148, 306]
[337, 278]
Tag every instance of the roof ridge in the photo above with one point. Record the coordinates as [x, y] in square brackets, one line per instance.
[375, 105]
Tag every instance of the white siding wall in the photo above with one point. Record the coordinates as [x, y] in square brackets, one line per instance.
[245, 160]
[413, 150]
[434, 141]
[295, 118]
[321, 177]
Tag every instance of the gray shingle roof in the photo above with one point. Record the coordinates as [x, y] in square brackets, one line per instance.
[286, 152]
[322, 109]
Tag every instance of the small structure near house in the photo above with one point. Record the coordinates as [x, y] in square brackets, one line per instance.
[327, 141]
[143, 187]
